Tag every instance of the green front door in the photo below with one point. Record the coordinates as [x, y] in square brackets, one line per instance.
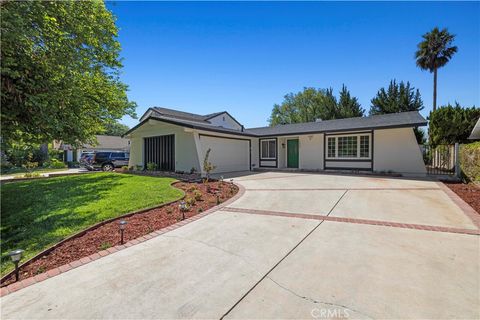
[292, 153]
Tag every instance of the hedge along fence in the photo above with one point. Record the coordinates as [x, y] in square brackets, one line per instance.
[470, 161]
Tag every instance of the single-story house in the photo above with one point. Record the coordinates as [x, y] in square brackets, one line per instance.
[104, 144]
[178, 141]
[475, 135]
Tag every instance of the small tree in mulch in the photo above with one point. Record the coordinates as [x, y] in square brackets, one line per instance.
[208, 167]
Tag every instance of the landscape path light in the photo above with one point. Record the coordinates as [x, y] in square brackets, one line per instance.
[183, 208]
[122, 224]
[16, 256]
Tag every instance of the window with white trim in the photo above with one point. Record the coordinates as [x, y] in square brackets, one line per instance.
[349, 146]
[268, 149]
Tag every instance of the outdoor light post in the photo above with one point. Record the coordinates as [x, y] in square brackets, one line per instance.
[16, 256]
[122, 225]
[183, 208]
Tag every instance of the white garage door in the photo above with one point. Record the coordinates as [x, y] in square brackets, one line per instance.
[227, 155]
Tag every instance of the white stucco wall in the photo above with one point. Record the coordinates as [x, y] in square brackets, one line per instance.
[226, 154]
[224, 120]
[185, 152]
[397, 150]
[311, 152]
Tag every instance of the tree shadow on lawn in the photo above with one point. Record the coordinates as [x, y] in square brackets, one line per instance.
[37, 214]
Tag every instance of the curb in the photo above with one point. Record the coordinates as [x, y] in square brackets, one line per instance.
[77, 263]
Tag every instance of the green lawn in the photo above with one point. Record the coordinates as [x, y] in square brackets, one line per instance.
[36, 214]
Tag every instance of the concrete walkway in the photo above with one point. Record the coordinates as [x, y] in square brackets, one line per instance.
[48, 174]
[294, 246]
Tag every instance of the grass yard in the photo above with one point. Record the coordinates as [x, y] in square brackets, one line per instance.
[37, 214]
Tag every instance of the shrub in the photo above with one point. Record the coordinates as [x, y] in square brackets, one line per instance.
[470, 161]
[104, 246]
[56, 164]
[138, 168]
[31, 175]
[125, 168]
[29, 166]
[193, 170]
[151, 166]
[190, 201]
[192, 188]
[197, 195]
[450, 124]
[207, 165]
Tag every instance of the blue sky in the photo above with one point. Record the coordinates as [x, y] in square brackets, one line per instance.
[243, 57]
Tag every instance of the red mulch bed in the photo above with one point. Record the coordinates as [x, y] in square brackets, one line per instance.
[140, 224]
[470, 193]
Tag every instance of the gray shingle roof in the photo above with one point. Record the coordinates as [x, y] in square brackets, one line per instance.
[171, 113]
[403, 119]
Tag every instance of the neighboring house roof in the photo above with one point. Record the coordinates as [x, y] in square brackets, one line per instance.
[398, 120]
[109, 142]
[475, 135]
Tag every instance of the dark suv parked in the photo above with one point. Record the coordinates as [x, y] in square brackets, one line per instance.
[107, 161]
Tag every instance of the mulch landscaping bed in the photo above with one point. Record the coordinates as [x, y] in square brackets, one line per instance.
[470, 193]
[140, 224]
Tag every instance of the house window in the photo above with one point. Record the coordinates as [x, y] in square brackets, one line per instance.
[364, 146]
[331, 147]
[268, 149]
[349, 147]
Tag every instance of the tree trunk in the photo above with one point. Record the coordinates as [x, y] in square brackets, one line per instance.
[435, 89]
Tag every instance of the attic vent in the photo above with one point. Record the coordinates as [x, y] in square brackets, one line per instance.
[318, 120]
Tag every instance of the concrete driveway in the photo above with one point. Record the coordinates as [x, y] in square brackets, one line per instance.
[293, 246]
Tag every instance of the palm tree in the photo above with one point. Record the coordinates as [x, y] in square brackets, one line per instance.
[434, 52]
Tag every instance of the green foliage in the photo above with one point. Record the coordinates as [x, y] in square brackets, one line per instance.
[399, 97]
[312, 104]
[114, 128]
[31, 174]
[197, 195]
[151, 166]
[104, 245]
[435, 50]
[470, 161]
[59, 71]
[420, 135]
[40, 212]
[56, 164]
[190, 201]
[450, 124]
[208, 167]
[29, 166]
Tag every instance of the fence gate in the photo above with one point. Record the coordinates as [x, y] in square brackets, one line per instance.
[439, 159]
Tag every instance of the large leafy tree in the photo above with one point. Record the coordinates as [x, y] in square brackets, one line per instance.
[312, 104]
[450, 124]
[59, 71]
[434, 52]
[114, 129]
[398, 97]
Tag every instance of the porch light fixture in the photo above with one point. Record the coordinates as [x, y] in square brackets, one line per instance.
[283, 145]
[122, 224]
[16, 256]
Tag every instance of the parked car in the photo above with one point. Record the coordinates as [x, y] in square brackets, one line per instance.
[108, 161]
[85, 158]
